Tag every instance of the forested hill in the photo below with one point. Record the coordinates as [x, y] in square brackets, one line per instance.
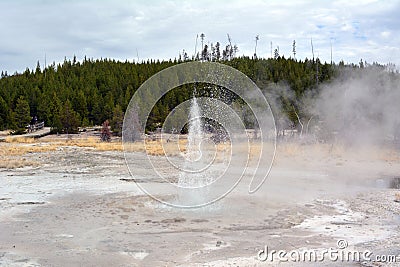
[74, 94]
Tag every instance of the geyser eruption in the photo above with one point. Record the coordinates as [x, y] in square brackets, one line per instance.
[215, 160]
[195, 136]
[194, 175]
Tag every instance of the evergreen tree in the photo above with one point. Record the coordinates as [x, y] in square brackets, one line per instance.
[5, 119]
[55, 114]
[117, 120]
[43, 108]
[94, 88]
[22, 115]
[69, 118]
[80, 105]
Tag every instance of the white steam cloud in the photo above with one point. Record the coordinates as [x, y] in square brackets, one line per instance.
[359, 107]
[362, 106]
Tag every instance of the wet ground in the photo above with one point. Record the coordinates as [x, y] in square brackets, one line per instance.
[81, 208]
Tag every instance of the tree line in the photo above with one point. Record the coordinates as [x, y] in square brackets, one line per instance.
[76, 94]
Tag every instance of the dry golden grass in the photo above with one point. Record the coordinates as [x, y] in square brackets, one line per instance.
[251, 149]
[339, 153]
[93, 143]
[162, 147]
[389, 155]
[17, 146]
[14, 149]
[293, 149]
[289, 149]
[297, 151]
[23, 140]
[8, 163]
[158, 147]
[21, 146]
[154, 148]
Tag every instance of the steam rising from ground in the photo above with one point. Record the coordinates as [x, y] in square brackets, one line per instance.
[360, 107]
[363, 107]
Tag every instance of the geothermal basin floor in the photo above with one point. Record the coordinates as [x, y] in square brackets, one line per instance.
[79, 207]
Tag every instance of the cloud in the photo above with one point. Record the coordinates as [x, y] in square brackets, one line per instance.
[161, 29]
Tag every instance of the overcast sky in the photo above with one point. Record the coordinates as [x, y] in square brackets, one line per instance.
[368, 29]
